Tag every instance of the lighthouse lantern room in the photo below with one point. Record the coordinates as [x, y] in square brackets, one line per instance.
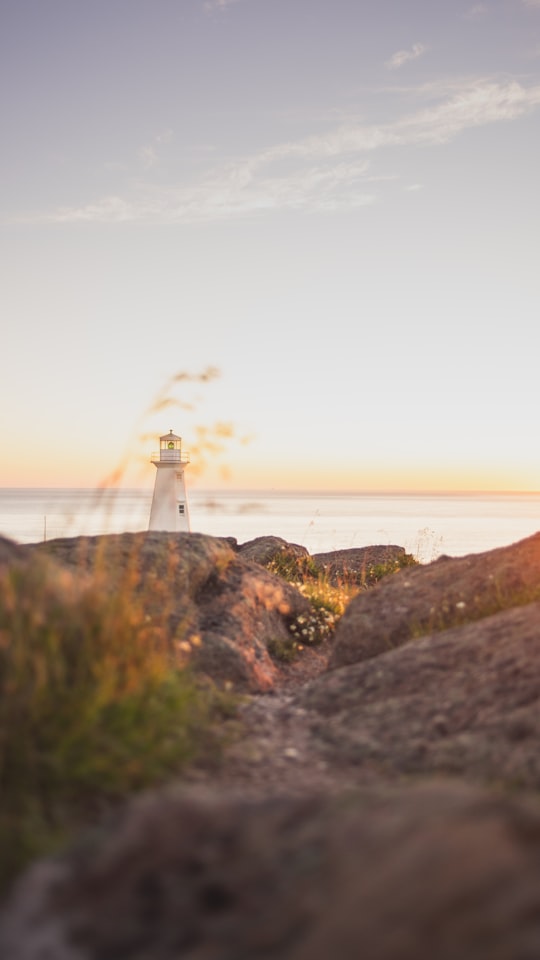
[169, 509]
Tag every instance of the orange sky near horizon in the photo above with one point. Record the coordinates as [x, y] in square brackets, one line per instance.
[65, 468]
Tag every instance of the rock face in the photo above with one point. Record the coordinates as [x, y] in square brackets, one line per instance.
[436, 870]
[220, 607]
[422, 599]
[265, 549]
[388, 809]
[358, 564]
[11, 552]
[464, 702]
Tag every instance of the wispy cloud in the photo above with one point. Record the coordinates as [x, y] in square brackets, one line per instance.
[148, 157]
[149, 153]
[235, 192]
[477, 11]
[473, 104]
[398, 59]
[532, 3]
[320, 173]
[221, 5]
[479, 105]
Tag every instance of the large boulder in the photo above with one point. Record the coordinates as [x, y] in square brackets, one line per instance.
[264, 550]
[11, 553]
[463, 702]
[428, 871]
[422, 599]
[217, 609]
[360, 565]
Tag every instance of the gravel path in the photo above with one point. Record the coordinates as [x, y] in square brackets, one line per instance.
[274, 744]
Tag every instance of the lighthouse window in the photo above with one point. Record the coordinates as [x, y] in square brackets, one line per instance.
[181, 508]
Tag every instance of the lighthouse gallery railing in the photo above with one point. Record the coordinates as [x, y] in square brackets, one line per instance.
[176, 456]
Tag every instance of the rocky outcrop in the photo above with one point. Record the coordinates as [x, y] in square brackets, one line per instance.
[11, 552]
[464, 702]
[264, 550]
[386, 809]
[358, 565]
[423, 599]
[437, 870]
[215, 607]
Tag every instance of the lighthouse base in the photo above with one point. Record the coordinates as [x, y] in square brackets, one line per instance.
[169, 511]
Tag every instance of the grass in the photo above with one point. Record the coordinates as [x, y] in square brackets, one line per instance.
[284, 649]
[328, 603]
[377, 571]
[292, 568]
[93, 705]
[328, 600]
[458, 613]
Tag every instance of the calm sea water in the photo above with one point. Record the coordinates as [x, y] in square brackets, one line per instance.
[426, 525]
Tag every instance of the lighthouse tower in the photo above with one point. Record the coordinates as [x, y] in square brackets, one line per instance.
[169, 509]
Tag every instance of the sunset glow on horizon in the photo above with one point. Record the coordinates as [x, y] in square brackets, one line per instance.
[228, 472]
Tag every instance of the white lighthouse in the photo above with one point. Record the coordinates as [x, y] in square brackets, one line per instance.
[169, 509]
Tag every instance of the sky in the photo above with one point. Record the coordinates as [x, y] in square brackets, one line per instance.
[302, 234]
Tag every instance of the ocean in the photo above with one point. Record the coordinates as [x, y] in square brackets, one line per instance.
[426, 525]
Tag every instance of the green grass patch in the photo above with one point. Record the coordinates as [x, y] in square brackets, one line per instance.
[377, 571]
[494, 598]
[327, 601]
[284, 649]
[291, 568]
[93, 706]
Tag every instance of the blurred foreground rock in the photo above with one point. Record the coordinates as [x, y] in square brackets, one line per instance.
[388, 809]
[436, 871]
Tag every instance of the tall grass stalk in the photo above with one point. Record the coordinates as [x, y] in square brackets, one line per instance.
[93, 705]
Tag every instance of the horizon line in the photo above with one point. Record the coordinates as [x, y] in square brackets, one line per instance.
[295, 491]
